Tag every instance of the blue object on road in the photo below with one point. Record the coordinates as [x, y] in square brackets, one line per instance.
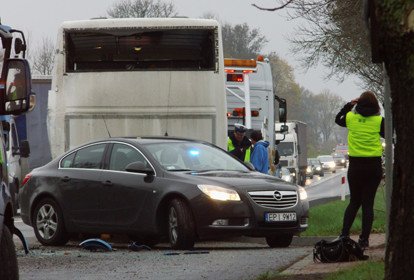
[95, 244]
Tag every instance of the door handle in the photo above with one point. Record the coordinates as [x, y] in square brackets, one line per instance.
[107, 183]
[65, 179]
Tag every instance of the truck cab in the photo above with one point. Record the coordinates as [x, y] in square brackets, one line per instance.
[291, 145]
[16, 153]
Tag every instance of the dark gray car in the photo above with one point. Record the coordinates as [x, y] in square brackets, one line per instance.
[152, 188]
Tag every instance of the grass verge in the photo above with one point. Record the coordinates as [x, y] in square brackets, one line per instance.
[365, 271]
[326, 219]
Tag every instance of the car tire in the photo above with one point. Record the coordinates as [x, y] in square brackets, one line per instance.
[49, 216]
[322, 174]
[311, 177]
[279, 241]
[334, 171]
[181, 227]
[8, 259]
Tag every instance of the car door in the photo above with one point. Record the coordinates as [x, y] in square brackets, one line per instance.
[125, 192]
[80, 184]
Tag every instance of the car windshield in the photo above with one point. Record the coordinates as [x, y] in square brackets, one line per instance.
[314, 161]
[325, 158]
[193, 156]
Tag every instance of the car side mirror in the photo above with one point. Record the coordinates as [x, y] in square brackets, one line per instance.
[139, 167]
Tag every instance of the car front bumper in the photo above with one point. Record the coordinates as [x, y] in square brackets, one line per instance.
[246, 217]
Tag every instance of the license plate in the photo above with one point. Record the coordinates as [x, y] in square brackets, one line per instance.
[280, 217]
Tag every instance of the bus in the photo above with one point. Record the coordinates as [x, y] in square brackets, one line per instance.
[137, 77]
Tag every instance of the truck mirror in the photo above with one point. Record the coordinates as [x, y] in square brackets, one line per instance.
[32, 102]
[282, 112]
[284, 128]
[19, 46]
[15, 94]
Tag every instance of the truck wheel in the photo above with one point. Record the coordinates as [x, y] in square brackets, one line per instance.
[279, 241]
[181, 227]
[8, 259]
[48, 224]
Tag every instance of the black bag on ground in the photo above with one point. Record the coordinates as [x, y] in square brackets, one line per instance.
[342, 249]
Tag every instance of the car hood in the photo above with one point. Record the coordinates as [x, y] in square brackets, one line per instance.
[247, 181]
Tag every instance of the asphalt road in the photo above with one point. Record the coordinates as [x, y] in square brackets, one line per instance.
[219, 260]
[244, 258]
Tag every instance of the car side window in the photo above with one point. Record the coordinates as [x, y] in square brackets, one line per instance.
[67, 162]
[89, 157]
[122, 155]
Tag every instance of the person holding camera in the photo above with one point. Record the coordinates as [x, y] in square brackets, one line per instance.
[365, 126]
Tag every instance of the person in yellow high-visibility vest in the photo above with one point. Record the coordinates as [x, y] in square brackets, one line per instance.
[365, 127]
[238, 144]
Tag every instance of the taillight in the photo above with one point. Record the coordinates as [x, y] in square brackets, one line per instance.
[26, 178]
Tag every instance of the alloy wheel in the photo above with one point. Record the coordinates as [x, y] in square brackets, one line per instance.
[47, 221]
[173, 225]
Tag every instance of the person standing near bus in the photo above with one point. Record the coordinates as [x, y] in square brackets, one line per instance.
[238, 144]
[260, 155]
[365, 127]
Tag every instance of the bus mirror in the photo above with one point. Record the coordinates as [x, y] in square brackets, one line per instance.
[16, 92]
[282, 112]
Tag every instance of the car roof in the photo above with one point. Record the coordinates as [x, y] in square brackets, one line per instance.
[146, 140]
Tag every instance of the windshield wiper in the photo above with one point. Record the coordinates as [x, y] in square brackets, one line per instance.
[175, 170]
[215, 170]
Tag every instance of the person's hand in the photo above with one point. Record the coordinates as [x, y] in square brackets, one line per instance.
[354, 101]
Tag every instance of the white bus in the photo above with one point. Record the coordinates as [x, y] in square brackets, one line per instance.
[137, 77]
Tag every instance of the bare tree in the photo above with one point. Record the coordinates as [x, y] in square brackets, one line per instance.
[241, 41]
[285, 86]
[141, 9]
[334, 35]
[43, 57]
[327, 106]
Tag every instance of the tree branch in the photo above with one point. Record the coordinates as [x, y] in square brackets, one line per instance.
[273, 9]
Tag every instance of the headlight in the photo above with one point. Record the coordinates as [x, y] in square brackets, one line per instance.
[318, 168]
[342, 160]
[219, 193]
[302, 193]
[309, 170]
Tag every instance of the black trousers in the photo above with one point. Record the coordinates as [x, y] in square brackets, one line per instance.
[364, 176]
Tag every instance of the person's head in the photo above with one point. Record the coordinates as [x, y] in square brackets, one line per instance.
[368, 99]
[239, 131]
[256, 136]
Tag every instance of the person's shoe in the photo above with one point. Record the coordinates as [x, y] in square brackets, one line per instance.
[363, 243]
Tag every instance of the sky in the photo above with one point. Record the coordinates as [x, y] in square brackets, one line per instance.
[42, 18]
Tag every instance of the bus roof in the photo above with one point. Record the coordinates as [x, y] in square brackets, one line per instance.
[138, 22]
